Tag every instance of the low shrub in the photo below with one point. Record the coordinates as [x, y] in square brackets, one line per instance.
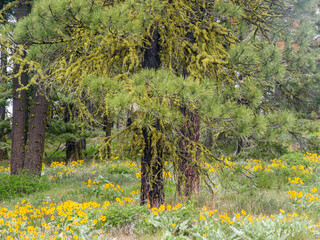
[120, 216]
[20, 185]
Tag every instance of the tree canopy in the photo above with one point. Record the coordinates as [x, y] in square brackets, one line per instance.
[197, 79]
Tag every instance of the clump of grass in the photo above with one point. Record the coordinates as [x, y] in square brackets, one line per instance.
[20, 185]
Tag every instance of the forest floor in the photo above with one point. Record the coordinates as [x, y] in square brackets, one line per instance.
[251, 199]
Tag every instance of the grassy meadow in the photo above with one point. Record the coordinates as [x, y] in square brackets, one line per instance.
[90, 199]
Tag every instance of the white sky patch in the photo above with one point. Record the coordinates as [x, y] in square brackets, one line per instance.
[9, 107]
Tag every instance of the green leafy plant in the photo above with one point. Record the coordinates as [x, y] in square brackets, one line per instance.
[121, 169]
[120, 216]
[296, 158]
[20, 185]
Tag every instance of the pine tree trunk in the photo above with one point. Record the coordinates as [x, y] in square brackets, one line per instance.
[83, 143]
[3, 152]
[209, 140]
[36, 132]
[189, 180]
[3, 67]
[152, 186]
[20, 106]
[118, 124]
[73, 148]
[239, 146]
[145, 166]
[19, 122]
[107, 127]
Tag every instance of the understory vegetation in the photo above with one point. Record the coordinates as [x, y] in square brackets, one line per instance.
[94, 199]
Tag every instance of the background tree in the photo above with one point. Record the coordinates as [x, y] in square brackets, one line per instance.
[4, 123]
[4, 92]
[284, 70]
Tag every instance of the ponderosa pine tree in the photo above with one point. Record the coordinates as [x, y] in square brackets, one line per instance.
[217, 46]
[28, 118]
[282, 63]
[65, 127]
[298, 88]
[152, 185]
[20, 104]
[4, 93]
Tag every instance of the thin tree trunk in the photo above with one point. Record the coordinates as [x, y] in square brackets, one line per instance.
[108, 124]
[83, 143]
[3, 152]
[36, 132]
[209, 140]
[118, 124]
[239, 146]
[73, 148]
[20, 106]
[3, 67]
[2, 113]
[145, 166]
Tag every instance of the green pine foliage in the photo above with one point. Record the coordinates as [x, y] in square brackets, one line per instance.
[246, 68]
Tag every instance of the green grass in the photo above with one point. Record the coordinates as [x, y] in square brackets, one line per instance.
[261, 196]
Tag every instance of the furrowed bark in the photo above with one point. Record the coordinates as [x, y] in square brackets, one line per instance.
[189, 179]
[19, 122]
[20, 106]
[36, 132]
[152, 186]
